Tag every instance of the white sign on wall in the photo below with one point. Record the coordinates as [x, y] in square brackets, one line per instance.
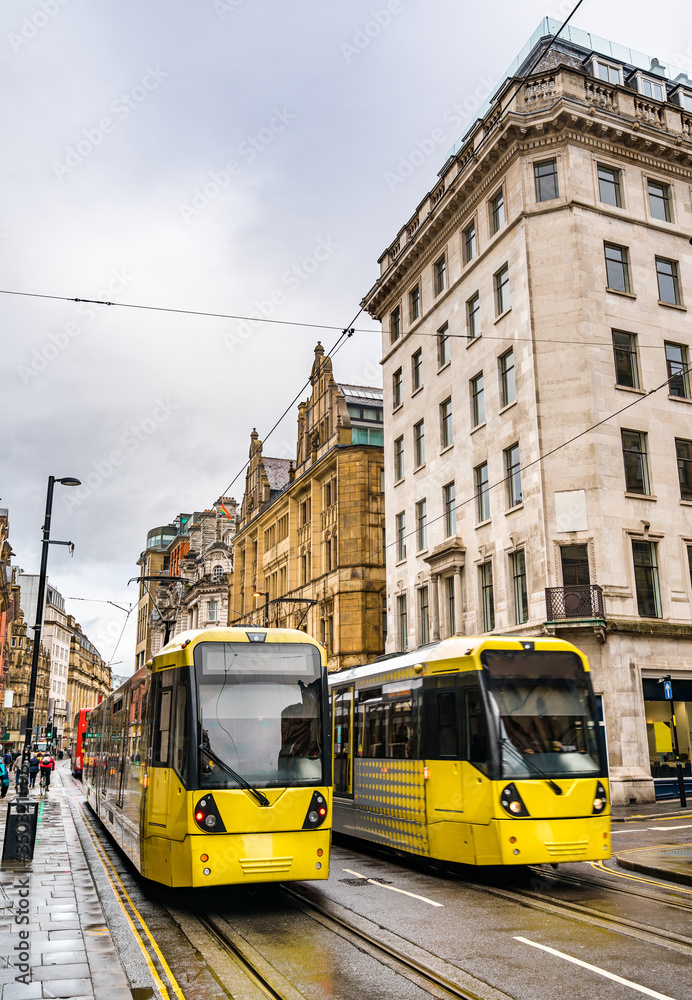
[9, 699]
[570, 510]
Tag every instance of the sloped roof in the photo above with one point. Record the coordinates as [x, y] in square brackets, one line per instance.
[277, 472]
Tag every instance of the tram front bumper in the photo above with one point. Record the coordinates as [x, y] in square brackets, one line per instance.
[549, 841]
[232, 858]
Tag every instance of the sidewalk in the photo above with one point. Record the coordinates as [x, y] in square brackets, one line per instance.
[58, 946]
[673, 863]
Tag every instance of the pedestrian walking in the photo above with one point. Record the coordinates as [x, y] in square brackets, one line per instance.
[33, 770]
[4, 779]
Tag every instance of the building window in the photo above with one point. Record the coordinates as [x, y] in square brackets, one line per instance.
[398, 459]
[396, 388]
[684, 453]
[443, 346]
[421, 525]
[440, 268]
[508, 389]
[649, 88]
[497, 212]
[668, 285]
[502, 290]
[646, 579]
[449, 503]
[545, 176]
[384, 619]
[305, 513]
[401, 536]
[482, 492]
[609, 186]
[395, 324]
[636, 466]
[487, 597]
[470, 246]
[611, 74]
[424, 616]
[328, 494]
[477, 401]
[513, 475]
[617, 268]
[521, 597]
[419, 444]
[473, 316]
[659, 201]
[451, 605]
[446, 429]
[678, 374]
[213, 611]
[625, 353]
[414, 303]
[403, 622]
[417, 369]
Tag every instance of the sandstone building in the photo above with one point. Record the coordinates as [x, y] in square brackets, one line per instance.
[309, 539]
[539, 288]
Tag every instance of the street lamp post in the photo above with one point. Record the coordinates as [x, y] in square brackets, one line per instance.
[265, 595]
[66, 481]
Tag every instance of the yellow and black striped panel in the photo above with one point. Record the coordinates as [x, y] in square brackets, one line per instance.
[390, 803]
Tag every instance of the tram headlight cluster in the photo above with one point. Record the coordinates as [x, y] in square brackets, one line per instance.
[601, 799]
[317, 812]
[511, 801]
[207, 816]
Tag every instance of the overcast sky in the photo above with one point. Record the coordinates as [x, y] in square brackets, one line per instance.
[231, 156]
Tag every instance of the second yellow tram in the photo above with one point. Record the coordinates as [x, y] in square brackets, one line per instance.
[477, 750]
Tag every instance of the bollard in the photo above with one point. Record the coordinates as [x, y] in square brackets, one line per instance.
[22, 820]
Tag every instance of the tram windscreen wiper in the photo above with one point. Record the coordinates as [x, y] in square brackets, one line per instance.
[530, 764]
[262, 799]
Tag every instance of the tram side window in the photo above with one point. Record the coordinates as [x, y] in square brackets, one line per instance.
[373, 728]
[181, 737]
[475, 734]
[388, 729]
[447, 724]
[341, 701]
[162, 718]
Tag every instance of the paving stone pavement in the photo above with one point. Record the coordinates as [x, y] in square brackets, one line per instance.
[60, 946]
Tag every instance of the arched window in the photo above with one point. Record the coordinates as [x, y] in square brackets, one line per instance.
[217, 572]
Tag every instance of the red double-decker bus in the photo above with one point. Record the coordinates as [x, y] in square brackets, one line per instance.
[80, 728]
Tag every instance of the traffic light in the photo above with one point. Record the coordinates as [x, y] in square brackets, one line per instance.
[49, 729]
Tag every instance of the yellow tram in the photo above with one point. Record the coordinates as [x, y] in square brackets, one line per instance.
[478, 750]
[212, 764]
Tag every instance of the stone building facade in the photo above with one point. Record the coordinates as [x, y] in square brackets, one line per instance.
[56, 637]
[154, 561]
[309, 540]
[538, 413]
[18, 671]
[89, 679]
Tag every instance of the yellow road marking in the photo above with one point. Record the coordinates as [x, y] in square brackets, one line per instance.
[637, 878]
[105, 861]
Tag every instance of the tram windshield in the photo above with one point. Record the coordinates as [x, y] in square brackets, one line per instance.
[260, 709]
[543, 711]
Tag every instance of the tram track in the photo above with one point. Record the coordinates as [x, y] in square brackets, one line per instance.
[414, 964]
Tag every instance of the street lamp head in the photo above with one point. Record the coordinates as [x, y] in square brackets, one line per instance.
[260, 593]
[70, 481]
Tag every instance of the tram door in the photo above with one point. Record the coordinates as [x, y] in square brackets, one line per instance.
[445, 795]
[342, 715]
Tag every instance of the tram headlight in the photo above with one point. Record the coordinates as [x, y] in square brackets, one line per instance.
[207, 816]
[511, 801]
[317, 811]
[601, 799]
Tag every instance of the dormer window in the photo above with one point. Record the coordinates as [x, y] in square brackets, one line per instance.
[217, 572]
[650, 88]
[683, 98]
[609, 72]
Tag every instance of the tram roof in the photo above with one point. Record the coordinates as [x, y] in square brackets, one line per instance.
[445, 649]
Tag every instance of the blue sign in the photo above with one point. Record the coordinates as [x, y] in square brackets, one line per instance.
[668, 690]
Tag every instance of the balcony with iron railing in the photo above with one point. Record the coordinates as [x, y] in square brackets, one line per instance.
[574, 602]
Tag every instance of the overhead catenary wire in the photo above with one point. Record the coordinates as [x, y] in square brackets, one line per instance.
[541, 458]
